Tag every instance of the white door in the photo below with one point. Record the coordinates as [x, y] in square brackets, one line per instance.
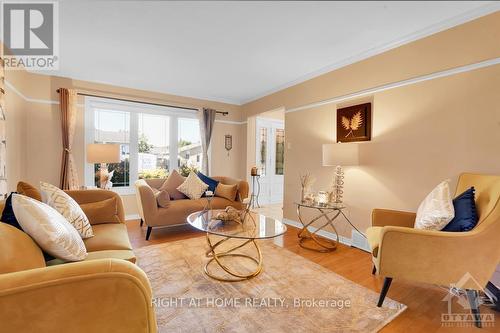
[270, 148]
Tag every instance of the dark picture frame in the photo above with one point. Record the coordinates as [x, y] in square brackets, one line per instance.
[354, 123]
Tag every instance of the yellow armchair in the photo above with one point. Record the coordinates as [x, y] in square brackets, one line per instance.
[438, 257]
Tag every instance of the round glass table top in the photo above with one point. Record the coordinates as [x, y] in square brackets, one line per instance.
[253, 226]
[314, 204]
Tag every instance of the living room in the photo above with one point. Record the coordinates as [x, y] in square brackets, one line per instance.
[240, 166]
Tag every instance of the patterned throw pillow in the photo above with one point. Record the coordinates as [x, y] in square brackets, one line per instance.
[436, 211]
[48, 228]
[67, 207]
[173, 181]
[193, 187]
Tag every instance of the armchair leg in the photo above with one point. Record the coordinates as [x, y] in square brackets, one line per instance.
[383, 292]
[374, 270]
[473, 297]
[148, 232]
[142, 222]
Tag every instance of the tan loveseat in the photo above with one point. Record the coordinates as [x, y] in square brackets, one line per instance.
[103, 293]
[178, 210]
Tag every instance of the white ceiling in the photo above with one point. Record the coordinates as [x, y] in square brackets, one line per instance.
[237, 51]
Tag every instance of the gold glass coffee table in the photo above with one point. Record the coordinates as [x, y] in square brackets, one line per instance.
[254, 227]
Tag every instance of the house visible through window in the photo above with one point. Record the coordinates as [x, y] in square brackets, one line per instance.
[153, 140]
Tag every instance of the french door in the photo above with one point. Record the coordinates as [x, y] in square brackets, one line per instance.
[270, 149]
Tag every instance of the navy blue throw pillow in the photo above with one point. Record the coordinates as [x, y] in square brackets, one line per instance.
[8, 213]
[9, 217]
[465, 212]
[212, 183]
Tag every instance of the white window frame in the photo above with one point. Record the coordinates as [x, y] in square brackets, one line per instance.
[92, 103]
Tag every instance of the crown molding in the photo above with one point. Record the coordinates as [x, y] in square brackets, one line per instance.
[431, 30]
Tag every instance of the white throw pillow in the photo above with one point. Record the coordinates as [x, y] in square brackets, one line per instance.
[436, 211]
[48, 228]
[193, 187]
[67, 207]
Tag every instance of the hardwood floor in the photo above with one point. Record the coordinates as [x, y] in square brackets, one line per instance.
[424, 302]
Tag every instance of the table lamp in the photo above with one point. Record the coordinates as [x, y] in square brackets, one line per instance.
[103, 153]
[340, 154]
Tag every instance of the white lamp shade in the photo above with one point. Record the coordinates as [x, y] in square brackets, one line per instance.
[103, 153]
[343, 154]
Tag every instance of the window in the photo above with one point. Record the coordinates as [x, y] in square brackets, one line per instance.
[280, 151]
[262, 150]
[154, 140]
[113, 127]
[189, 144]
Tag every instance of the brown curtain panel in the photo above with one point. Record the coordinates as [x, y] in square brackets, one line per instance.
[67, 101]
[3, 143]
[207, 126]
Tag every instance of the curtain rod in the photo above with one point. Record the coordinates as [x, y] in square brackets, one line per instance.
[224, 113]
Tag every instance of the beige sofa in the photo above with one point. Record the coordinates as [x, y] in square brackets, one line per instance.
[178, 210]
[103, 293]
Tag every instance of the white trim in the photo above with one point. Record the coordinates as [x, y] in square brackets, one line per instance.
[28, 99]
[433, 29]
[418, 79]
[323, 233]
[132, 217]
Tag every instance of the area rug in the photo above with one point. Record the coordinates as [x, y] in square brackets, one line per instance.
[292, 294]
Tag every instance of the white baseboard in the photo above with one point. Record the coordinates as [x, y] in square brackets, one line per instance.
[132, 217]
[344, 240]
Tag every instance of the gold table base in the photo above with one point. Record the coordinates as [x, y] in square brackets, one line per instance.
[306, 236]
[215, 257]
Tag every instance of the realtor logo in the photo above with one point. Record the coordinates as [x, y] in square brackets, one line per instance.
[30, 35]
[457, 299]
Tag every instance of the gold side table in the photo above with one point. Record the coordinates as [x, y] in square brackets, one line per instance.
[328, 213]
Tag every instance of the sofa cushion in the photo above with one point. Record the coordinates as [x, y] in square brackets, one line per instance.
[67, 207]
[212, 183]
[436, 211]
[465, 212]
[106, 254]
[104, 211]
[50, 230]
[109, 236]
[226, 191]
[193, 187]
[173, 181]
[162, 198]
[29, 191]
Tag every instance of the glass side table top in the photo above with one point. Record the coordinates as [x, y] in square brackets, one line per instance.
[254, 226]
[311, 204]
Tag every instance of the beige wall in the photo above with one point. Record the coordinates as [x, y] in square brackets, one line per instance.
[422, 133]
[34, 130]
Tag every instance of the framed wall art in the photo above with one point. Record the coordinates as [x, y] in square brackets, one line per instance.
[354, 123]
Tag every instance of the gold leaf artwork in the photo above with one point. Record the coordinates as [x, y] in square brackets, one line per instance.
[353, 124]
